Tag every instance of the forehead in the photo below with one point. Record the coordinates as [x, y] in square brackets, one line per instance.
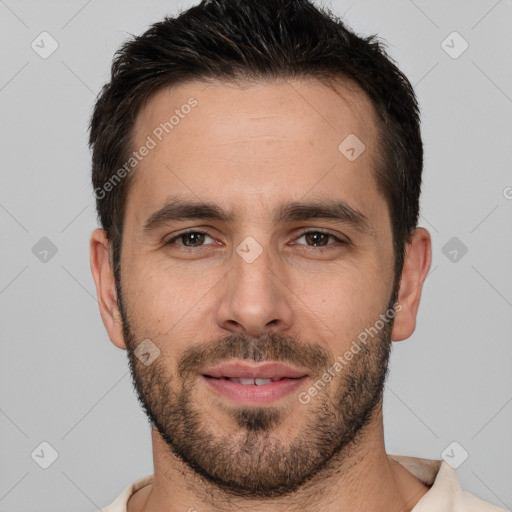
[254, 143]
[282, 109]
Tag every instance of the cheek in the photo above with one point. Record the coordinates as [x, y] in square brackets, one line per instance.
[346, 300]
[163, 302]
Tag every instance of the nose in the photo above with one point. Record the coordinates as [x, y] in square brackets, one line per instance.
[255, 297]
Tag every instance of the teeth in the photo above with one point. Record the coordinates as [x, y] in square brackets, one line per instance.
[260, 382]
[257, 382]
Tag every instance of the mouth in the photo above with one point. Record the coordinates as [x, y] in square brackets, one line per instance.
[248, 382]
[254, 384]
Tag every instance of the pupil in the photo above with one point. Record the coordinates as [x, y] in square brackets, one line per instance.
[191, 236]
[313, 237]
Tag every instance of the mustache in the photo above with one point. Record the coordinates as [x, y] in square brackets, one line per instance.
[269, 347]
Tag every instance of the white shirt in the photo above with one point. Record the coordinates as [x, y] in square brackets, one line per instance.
[445, 494]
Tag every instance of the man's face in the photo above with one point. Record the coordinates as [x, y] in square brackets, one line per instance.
[267, 281]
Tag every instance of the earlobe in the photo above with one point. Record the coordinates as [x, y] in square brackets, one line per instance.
[103, 274]
[417, 262]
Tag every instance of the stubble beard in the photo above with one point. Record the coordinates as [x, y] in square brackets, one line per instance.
[252, 458]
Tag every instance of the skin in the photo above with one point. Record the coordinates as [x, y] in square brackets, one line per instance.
[251, 148]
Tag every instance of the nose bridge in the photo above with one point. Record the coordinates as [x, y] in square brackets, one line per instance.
[251, 265]
[254, 298]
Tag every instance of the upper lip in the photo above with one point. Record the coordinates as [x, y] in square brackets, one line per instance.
[245, 370]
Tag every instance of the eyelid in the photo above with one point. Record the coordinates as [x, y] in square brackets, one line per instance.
[303, 232]
[338, 239]
[183, 233]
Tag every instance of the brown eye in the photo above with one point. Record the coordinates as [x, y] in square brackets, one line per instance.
[189, 239]
[318, 238]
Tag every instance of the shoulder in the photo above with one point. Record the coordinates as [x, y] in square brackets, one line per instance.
[470, 503]
[445, 493]
[120, 504]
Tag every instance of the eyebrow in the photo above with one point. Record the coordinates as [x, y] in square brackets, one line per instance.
[178, 209]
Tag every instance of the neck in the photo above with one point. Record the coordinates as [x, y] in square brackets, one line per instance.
[361, 477]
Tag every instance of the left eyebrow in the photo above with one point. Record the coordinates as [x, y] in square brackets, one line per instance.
[181, 209]
[340, 211]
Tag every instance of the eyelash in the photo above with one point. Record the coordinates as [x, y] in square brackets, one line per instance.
[305, 232]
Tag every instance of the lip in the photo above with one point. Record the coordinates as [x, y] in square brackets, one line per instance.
[245, 370]
[252, 394]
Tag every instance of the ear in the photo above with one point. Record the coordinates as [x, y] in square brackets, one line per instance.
[418, 258]
[105, 287]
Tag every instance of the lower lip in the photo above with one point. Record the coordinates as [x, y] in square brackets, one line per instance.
[251, 394]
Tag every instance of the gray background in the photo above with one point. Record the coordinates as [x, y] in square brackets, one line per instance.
[63, 382]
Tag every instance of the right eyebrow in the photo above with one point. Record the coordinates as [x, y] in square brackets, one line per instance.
[180, 209]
